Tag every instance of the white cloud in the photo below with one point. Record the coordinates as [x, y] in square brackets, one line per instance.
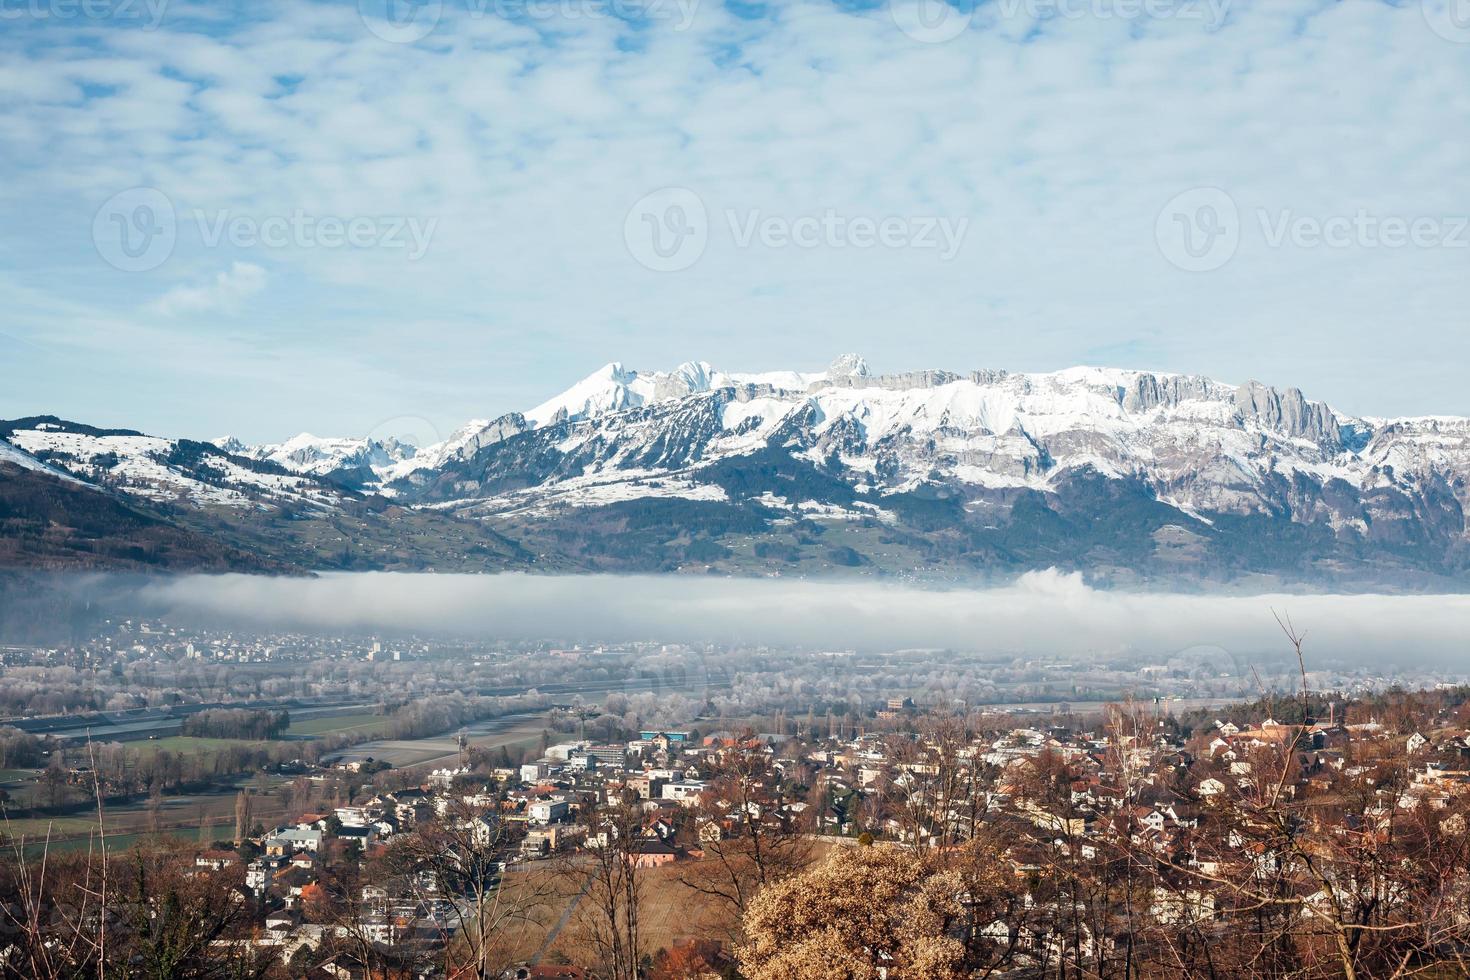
[1060, 138]
[225, 294]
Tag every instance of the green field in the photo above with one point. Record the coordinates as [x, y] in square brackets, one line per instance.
[363, 721]
[175, 815]
[188, 744]
[37, 827]
[513, 732]
[82, 838]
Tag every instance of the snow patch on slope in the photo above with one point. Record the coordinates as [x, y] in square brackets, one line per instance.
[139, 465]
[11, 454]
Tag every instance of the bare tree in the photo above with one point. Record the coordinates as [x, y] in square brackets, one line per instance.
[612, 877]
[748, 837]
[455, 866]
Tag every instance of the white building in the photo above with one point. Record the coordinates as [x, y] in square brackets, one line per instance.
[684, 791]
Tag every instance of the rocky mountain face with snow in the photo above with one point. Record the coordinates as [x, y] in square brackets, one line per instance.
[1130, 476]
[75, 496]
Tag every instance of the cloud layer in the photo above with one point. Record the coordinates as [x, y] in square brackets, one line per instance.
[1042, 613]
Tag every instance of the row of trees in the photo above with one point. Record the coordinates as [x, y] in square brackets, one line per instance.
[19, 750]
[242, 723]
[434, 716]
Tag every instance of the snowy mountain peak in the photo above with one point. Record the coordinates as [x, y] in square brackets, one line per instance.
[1085, 467]
[1204, 447]
[694, 375]
[233, 446]
[848, 366]
[613, 388]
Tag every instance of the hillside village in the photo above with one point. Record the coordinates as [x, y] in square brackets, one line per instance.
[1204, 820]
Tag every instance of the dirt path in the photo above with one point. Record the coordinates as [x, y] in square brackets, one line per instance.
[561, 923]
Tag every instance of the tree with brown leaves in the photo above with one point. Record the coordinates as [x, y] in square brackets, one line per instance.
[864, 913]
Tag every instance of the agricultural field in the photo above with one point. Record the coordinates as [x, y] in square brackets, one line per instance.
[188, 745]
[200, 817]
[365, 721]
[514, 732]
[204, 816]
[17, 784]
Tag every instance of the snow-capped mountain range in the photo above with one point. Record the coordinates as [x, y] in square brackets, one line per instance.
[1206, 447]
[1128, 471]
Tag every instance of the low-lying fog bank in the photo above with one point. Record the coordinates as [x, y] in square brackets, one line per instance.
[1043, 613]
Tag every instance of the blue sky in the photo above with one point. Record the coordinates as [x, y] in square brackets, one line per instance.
[273, 217]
